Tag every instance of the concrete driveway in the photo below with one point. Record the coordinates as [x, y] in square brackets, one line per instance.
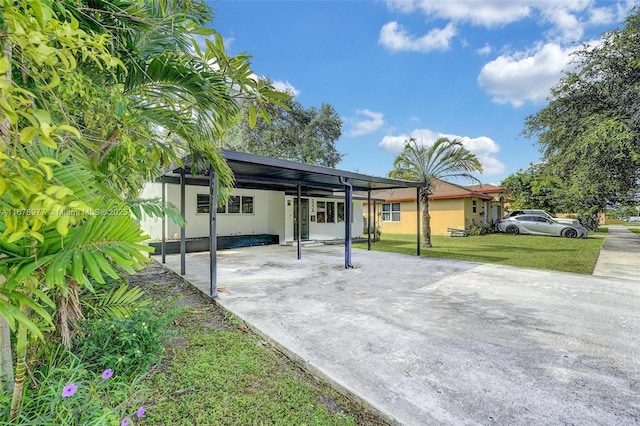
[429, 342]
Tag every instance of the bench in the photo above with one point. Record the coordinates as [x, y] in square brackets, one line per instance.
[458, 232]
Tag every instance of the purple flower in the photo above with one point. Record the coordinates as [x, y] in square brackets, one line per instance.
[124, 422]
[107, 373]
[140, 412]
[69, 390]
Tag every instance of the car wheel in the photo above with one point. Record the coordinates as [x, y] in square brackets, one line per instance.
[570, 233]
[512, 229]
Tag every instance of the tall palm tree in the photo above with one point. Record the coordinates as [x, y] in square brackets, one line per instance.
[444, 159]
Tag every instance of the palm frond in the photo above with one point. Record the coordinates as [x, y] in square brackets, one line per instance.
[117, 302]
[154, 207]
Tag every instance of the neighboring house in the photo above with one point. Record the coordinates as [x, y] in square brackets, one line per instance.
[450, 206]
[501, 200]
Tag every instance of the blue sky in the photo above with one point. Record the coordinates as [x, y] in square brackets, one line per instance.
[472, 69]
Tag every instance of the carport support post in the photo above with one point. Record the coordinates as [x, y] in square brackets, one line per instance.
[418, 220]
[213, 239]
[348, 193]
[183, 230]
[163, 247]
[375, 215]
[299, 222]
[369, 220]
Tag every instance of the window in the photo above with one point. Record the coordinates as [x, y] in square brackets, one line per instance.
[235, 205]
[247, 205]
[340, 212]
[202, 203]
[331, 210]
[475, 207]
[321, 212]
[391, 212]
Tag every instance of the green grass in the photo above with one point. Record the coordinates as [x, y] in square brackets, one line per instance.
[231, 376]
[529, 251]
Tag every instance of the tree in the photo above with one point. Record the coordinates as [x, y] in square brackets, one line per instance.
[89, 93]
[443, 160]
[589, 131]
[307, 135]
[535, 188]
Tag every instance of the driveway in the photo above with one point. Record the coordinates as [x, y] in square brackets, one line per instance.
[438, 342]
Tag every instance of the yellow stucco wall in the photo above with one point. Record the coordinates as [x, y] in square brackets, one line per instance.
[453, 213]
[447, 214]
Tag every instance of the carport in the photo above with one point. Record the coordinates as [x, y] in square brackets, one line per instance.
[299, 179]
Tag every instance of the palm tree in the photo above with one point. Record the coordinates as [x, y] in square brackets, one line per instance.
[444, 159]
[81, 128]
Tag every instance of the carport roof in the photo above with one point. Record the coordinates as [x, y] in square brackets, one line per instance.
[258, 172]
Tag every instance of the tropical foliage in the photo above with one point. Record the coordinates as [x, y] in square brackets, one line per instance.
[296, 133]
[589, 131]
[96, 97]
[535, 188]
[444, 159]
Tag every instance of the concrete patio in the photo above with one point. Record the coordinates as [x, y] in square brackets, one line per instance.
[427, 341]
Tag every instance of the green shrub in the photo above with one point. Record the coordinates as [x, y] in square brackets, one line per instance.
[66, 391]
[484, 229]
[129, 345]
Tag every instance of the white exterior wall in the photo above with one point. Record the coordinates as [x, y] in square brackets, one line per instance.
[268, 207]
[324, 231]
[152, 226]
[273, 214]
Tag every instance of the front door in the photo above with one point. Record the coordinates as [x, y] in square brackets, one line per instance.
[304, 209]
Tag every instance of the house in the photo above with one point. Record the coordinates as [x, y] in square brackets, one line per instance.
[254, 213]
[263, 208]
[270, 195]
[450, 206]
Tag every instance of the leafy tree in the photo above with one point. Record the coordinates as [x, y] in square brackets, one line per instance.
[307, 135]
[534, 188]
[590, 129]
[444, 159]
[94, 97]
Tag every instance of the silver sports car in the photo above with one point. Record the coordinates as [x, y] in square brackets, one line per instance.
[540, 225]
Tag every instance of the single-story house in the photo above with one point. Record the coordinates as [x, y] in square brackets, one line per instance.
[450, 206]
[270, 195]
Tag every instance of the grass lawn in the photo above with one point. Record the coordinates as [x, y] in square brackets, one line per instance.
[529, 251]
[217, 372]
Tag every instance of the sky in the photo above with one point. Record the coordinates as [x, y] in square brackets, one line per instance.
[470, 69]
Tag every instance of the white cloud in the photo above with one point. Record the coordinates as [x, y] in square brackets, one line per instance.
[567, 19]
[485, 50]
[601, 16]
[363, 126]
[522, 77]
[394, 37]
[483, 147]
[479, 12]
[285, 86]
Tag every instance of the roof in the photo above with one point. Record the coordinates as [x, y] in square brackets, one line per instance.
[441, 190]
[257, 172]
[487, 188]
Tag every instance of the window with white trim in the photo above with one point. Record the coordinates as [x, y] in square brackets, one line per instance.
[321, 215]
[340, 210]
[236, 204]
[202, 203]
[391, 212]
